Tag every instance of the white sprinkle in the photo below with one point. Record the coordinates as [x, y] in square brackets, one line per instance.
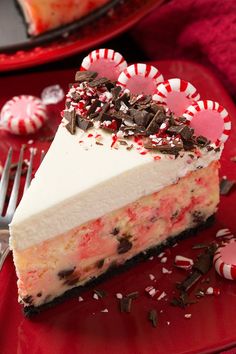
[119, 296]
[81, 299]
[163, 259]
[166, 271]
[151, 276]
[163, 294]
[30, 142]
[223, 232]
[105, 310]
[161, 255]
[209, 291]
[95, 296]
[188, 315]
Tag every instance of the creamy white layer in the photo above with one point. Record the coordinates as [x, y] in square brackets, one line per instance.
[80, 180]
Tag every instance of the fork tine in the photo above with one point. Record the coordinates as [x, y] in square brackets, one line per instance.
[16, 186]
[5, 180]
[29, 171]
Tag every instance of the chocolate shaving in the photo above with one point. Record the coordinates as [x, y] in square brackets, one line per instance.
[71, 125]
[124, 246]
[152, 316]
[100, 293]
[96, 103]
[226, 186]
[133, 295]
[72, 281]
[115, 92]
[83, 124]
[125, 304]
[28, 299]
[199, 246]
[182, 301]
[201, 266]
[115, 231]
[99, 82]
[82, 76]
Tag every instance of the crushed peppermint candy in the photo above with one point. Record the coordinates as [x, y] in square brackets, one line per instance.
[163, 260]
[119, 296]
[161, 296]
[52, 94]
[151, 276]
[166, 271]
[188, 315]
[223, 232]
[183, 262]
[105, 310]
[80, 299]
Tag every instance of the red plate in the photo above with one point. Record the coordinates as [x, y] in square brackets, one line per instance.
[81, 327]
[116, 21]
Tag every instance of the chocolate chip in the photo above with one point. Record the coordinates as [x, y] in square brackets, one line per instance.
[65, 273]
[202, 141]
[197, 216]
[190, 281]
[72, 281]
[115, 231]
[100, 263]
[226, 185]
[142, 118]
[124, 246]
[152, 127]
[152, 316]
[82, 76]
[28, 299]
[39, 294]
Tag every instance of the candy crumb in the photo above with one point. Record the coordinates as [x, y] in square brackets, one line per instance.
[119, 296]
[188, 315]
[81, 299]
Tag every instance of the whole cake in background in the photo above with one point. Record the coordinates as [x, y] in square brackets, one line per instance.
[45, 15]
[134, 165]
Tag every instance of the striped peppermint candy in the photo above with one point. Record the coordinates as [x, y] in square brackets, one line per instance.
[106, 62]
[209, 119]
[140, 78]
[23, 115]
[225, 260]
[176, 94]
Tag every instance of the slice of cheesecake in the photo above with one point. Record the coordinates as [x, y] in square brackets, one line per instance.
[44, 15]
[122, 176]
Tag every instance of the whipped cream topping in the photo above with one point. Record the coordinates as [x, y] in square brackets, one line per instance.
[91, 173]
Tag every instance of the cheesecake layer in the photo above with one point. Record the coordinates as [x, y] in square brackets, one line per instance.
[73, 258]
[99, 179]
[45, 15]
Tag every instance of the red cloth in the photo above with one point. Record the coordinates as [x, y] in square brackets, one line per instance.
[201, 30]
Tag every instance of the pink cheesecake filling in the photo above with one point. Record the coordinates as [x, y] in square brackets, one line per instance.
[48, 269]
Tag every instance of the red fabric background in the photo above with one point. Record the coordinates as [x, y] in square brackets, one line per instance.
[201, 30]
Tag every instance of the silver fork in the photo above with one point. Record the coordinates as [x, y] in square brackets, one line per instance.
[7, 218]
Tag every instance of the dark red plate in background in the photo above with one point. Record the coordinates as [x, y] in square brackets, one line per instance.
[81, 327]
[49, 47]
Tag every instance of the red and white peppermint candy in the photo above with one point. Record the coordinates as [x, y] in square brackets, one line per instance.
[225, 260]
[209, 119]
[23, 115]
[140, 78]
[106, 62]
[176, 94]
[183, 262]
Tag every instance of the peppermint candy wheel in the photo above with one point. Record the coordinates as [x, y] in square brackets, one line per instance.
[23, 115]
[106, 62]
[176, 94]
[209, 119]
[140, 79]
[225, 260]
